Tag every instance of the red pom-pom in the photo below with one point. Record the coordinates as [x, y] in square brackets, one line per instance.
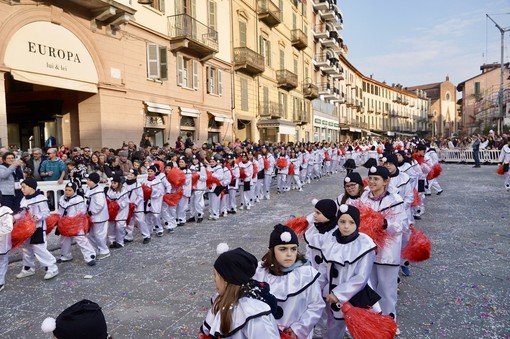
[172, 199]
[287, 334]
[291, 169]
[147, 191]
[281, 162]
[501, 171]
[417, 199]
[398, 147]
[242, 174]
[342, 150]
[22, 230]
[435, 171]
[211, 180]
[255, 171]
[194, 179]
[419, 247]
[365, 324]
[51, 222]
[418, 158]
[298, 224]
[131, 212]
[176, 177]
[113, 209]
[326, 156]
[379, 150]
[72, 226]
[266, 164]
[238, 160]
[365, 182]
[371, 223]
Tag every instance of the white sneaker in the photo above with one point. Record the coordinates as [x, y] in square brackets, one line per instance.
[103, 256]
[507, 187]
[257, 200]
[268, 197]
[50, 275]
[300, 189]
[25, 273]
[248, 207]
[398, 331]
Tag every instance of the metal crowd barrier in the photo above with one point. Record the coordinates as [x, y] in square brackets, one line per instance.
[490, 156]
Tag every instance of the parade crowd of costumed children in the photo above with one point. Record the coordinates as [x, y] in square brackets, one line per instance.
[355, 246]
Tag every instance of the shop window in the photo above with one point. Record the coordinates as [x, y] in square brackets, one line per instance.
[157, 64]
[214, 84]
[187, 72]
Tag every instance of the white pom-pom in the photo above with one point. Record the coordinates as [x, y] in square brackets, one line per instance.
[384, 159]
[380, 156]
[222, 248]
[344, 208]
[347, 179]
[286, 237]
[373, 169]
[315, 201]
[49, 325]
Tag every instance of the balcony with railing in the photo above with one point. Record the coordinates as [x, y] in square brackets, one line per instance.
[269, 13]
[321, 31]
[321, 5]
[187, 33]
[326, 91]
[286, 79]
[328, 14]
[310, 91]
[301, 118]
[299, 39]
[248, 61]
[271, 109]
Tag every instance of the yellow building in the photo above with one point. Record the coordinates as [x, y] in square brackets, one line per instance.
[272, 70]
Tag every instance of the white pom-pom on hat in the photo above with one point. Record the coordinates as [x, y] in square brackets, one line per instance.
[49, 325]
[347, 179]
[344, 208]
[222, 248]
[373, 169]
[286, 237]
[384, 159]
[315, 201]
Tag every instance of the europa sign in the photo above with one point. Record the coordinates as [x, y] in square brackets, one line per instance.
[49, 54]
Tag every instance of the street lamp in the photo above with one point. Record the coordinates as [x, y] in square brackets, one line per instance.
[500, 94]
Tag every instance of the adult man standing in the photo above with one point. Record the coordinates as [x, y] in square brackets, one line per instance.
[34, 163]
[189, 141]
[125, 164]
[53, 168]
[476, 150]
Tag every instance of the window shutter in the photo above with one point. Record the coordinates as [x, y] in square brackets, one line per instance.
[180, 71]
[268, 48]
[242, 34]
[282, 59]
[220, 84]
[244, 95]
[162, 6]
[152, 61]
[212, 14]
[163, 63]
[208, 79]
[195, 74]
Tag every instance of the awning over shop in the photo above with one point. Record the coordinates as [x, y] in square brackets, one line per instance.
[48, 54]
[189, 112]
[284, 127]
[158, 108]
[354, 129]
[221, 117]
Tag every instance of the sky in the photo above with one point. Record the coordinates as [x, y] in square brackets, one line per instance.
[422, 42]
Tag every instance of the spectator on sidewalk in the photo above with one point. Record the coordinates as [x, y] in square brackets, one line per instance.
[10, 175]
[34, 163]
[476, 150]
[53, 168]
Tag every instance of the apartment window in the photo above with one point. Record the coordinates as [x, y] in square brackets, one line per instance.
[157, 65]
[242, 33]
[294, 21]
[477, 88]
[212, 15]
[280, 6]
[159, 5]
[265, 50]
[244, 94]
[265, 94]
[282, 59]
[187, 72]
[214, 85]
[282, 104]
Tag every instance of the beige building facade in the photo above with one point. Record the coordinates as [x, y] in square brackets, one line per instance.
[100, 73]
[480, 109]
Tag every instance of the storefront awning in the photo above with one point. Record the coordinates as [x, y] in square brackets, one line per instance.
[354, 129]
[221, 117]
[158, 108]
[284, 127]
[52, 81]
[189, 112]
